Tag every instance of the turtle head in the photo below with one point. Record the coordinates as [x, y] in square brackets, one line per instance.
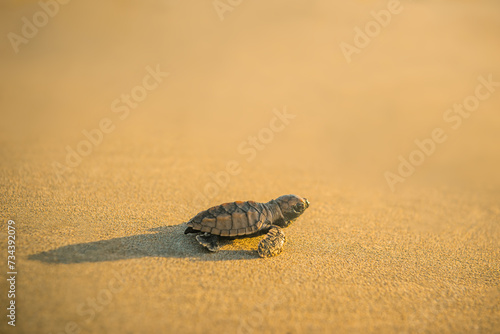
[292, 206]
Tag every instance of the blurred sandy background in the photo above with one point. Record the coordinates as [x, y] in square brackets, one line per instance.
[424, 258]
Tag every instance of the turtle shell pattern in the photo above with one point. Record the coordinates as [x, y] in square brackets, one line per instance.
[232, 219]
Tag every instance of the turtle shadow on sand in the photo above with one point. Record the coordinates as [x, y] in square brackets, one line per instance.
[166, 241]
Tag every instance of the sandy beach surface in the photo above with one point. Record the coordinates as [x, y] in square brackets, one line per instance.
[121, 120]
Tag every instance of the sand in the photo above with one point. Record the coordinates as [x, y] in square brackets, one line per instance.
[257, 105]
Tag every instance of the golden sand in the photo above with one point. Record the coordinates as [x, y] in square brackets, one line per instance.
[104, 157]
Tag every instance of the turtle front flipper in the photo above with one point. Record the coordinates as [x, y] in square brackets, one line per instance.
[273, 243]
[209, 241]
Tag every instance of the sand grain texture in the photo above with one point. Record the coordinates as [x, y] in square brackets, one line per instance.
[102, 248]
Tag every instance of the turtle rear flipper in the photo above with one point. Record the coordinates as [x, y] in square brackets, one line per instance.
[190, 230]
[273, 243]
[209, 241]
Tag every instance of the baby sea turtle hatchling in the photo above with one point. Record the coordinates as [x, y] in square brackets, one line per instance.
[248, 219]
